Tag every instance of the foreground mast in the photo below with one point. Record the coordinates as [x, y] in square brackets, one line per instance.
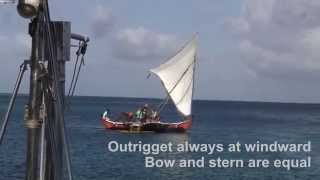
[47, 156]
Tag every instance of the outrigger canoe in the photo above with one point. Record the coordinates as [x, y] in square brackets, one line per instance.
[177, 77]
[159, 127]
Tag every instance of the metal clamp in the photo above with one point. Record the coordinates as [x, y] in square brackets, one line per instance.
[33, 124]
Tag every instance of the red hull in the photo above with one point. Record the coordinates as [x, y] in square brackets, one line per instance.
[150, 126]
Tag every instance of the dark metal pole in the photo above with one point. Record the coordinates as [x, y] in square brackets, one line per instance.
[33, 114]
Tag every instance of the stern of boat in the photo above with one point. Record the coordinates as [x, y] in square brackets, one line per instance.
[187, 124]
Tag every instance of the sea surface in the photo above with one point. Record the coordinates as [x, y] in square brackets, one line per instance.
[214, 122]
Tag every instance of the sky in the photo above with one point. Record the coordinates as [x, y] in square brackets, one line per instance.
[249, 50]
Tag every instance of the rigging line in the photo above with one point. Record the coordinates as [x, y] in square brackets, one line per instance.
[181, 77]
[161, 106]
[50, 125]
[77, 77]
[23, 68]
[68, 104]
[52, 141]
[185, 93]
[184, 73]
[74, 70]
[191, 81]
[163, 103]
[43, 140]
[191, 84]
[57, 104]
[53, 127]
[182, 47]
[56, 126]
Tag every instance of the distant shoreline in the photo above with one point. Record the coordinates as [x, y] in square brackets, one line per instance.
[201, 100]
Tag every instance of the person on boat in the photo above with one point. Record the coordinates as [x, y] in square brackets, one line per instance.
[155, 116]
[139, 115]
[105, 114]
[143, 114]
[148, 113]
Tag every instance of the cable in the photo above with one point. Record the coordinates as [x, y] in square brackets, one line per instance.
[77, 77]
[57, 103]
[82, 50]
[74, 69]
[23, 68]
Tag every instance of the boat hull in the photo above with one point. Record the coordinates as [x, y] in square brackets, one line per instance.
[159, 127]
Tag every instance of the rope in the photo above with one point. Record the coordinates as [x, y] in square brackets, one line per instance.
[57, 103]
[82, 48]
[77, 77]
[74, 70]
[23, 68]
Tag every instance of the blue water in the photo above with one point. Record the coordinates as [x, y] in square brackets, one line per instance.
[214, 122]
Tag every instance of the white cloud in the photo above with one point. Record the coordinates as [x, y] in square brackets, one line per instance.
[102, 21]
[131, 43]
[279, 39]
[142, 44]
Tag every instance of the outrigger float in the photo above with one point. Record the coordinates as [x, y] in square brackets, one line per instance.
[177, 77]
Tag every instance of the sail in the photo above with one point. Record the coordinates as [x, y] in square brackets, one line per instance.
[177, 77]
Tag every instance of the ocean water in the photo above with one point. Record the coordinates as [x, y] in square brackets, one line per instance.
[214, 122]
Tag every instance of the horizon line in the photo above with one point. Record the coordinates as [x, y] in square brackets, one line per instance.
[198, 99]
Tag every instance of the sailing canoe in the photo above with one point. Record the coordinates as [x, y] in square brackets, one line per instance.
[177, 77]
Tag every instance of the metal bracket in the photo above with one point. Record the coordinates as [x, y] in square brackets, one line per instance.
[33, 123]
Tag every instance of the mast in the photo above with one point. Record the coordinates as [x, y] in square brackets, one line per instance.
[32, 120]
[44, 112]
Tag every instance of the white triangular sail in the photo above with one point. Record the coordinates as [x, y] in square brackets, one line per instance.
[177, 77]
